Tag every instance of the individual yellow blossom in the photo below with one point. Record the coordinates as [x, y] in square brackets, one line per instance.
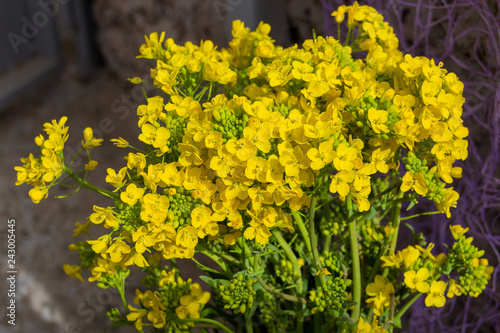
[435, 297]
[379, 158]
[190, 304]
[118, 250]
[417, 280]
[449, 200]
[323, 272]
[89, 141]
[73, 271]
[157, 137]
[454, 289]
[153, 176]
[135, 316]
[341, 182]
[377, 119]
[152, 46]
[116, 179]
[132, 194]
[106, 215]
[136, 258]
[426, 252]
[344, 159]
[381, 293]
[101, 244]
[154, 208]
[393, 260]
[81, 229]
[201, 218]
[91, 165]
[280, 77]
[412, 66]
[414, 182]
[410, 255]
[150, 112]
[365, 327]
[137, 161]
[189, 155]
[321, 156]
[142, 239]
[120, 142]
[458, 231]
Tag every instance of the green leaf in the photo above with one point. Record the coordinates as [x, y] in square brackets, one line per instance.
[214, 283]
[373, 213]
[411, 228]
[272, 247]
[410, 206]
[259, 272]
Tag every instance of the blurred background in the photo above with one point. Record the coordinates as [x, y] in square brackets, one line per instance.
[73, 58]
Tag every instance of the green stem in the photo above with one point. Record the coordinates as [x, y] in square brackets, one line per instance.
[248, 325]
[408, 304]
[278, 294]
[314, 240]
[326, 244]
[303, 230]
[396, 219]
[215, 258]
[90, 186]
[291, 256]
[356, 271]
[207, 320]
[417, 215]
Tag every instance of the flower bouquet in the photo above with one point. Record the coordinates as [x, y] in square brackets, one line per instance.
[289, 170]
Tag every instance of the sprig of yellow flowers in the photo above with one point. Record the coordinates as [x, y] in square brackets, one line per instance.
[259, 157]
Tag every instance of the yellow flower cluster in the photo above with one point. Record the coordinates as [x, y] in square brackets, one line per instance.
[38, 171]
[422, 269]
[244, 141]
[42, 172]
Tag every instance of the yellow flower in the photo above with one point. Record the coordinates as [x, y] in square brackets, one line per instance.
[157, 137]
[454, 289]
[321, 156]
[394, 260]
[341, 182]
[89, 140]
[118, 250]
[458, 231]
[410, 255]
[73, 271]
[132, 194]
[344, 159]
[414, 182]
[81, 229]
[190, 304]
[380, 293]
[120, 142]
[104, 214]
[91, 165]
[323, 272]
[416, 280]
[449, 200]
[116, 179]
[377, 119]
[379, 158]
[436, 295]
[142, 239]
[136, 316]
